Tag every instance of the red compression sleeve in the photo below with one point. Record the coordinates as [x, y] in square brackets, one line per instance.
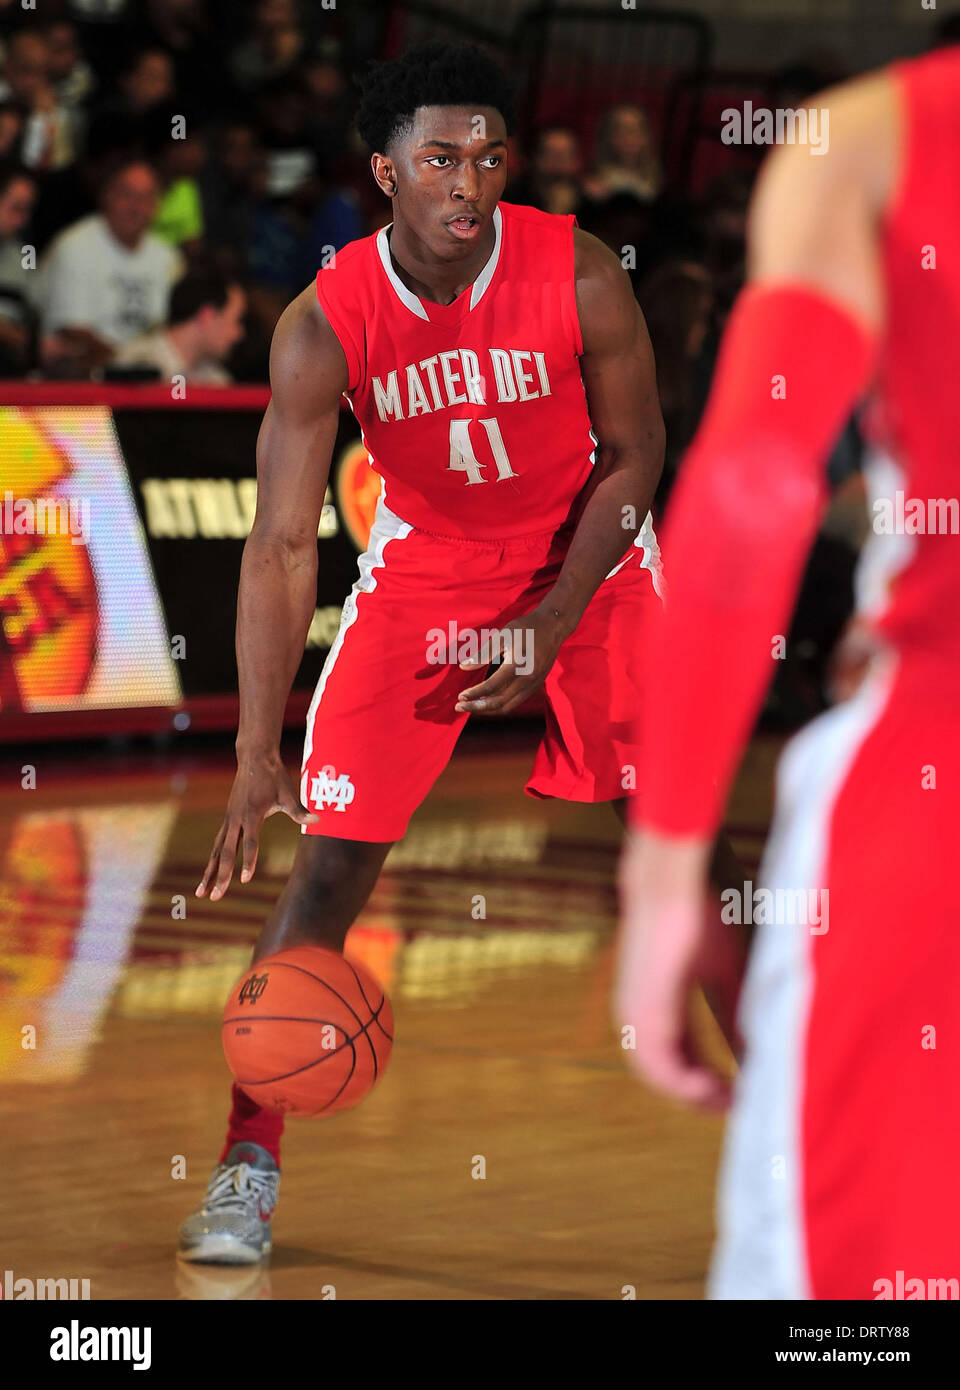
[791, 368]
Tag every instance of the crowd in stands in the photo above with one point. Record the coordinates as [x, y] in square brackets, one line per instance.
[206, 146]
[173, 172]
[151, 150]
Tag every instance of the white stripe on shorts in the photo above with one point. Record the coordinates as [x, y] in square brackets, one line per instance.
[386, 527]
[761, 1248]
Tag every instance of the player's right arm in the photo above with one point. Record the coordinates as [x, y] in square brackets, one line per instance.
[278, 575]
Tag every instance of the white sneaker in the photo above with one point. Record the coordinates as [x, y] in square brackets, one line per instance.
[233, 1225]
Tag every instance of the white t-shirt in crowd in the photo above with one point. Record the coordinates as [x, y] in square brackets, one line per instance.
[89, 280]
[156, 350]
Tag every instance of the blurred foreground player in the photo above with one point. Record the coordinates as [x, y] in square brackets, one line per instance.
[501, 372]
[839, 1178]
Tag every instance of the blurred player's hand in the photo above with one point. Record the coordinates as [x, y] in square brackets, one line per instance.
[261, 788]
[671, 939]
[529, 647]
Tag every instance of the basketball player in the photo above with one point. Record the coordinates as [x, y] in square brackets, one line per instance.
[501, 372]
[839, 1176]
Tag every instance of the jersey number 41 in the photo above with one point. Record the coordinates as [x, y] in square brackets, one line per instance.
[464, 460]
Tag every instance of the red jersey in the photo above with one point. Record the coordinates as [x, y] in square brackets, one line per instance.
[910, 574]
[753, 466]
[474, 413]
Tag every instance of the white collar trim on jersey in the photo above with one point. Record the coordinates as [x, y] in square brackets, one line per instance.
[480, 285]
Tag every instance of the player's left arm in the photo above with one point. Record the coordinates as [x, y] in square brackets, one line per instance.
[620, 380]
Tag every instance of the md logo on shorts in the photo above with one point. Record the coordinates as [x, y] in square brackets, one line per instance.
[327, 789]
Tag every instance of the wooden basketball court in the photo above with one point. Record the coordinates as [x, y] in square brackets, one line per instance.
[492, 930]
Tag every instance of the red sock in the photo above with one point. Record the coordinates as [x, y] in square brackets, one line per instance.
[251, 1123]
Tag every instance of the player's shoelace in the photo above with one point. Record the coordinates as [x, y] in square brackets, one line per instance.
[236, 1186]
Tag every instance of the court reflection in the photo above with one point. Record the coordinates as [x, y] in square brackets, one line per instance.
[491, 928]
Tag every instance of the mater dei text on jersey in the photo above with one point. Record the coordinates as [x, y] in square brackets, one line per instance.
[455, 378]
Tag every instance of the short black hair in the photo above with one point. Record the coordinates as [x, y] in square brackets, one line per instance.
[199, 286]
[431, 74]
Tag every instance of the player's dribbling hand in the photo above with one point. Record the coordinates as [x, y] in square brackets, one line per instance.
[667, 945]
[261, 788]
[529, 647]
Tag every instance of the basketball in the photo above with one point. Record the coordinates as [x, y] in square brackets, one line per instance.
[307, 1032]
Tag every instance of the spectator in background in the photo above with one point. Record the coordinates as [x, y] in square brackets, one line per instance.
[273, 48]
[72, 76]
[49, 139]
[11, 128]
[629, 228]
[677, 302]
[122, 122]
[283, 115]
[723, 234]
[342, 159]
[293, 235]
[17, 320]
[107, 278]
[104, 28]
[625, 160]
[332, 218]
[552, 182]
[300, 217]
[330, 107]
[187, 32]
[179, 162]
[227, 188]
[205, 324]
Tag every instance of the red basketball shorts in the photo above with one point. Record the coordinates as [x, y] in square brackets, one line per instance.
[382, 724]
[839, 1178]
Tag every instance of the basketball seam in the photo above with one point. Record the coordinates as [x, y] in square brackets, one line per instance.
[311, 1113]
[348, 1039]
[374, 1012]
[286, 1075]
[347, 1005]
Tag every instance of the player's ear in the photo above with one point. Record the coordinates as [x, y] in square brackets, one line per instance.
[384, 173]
